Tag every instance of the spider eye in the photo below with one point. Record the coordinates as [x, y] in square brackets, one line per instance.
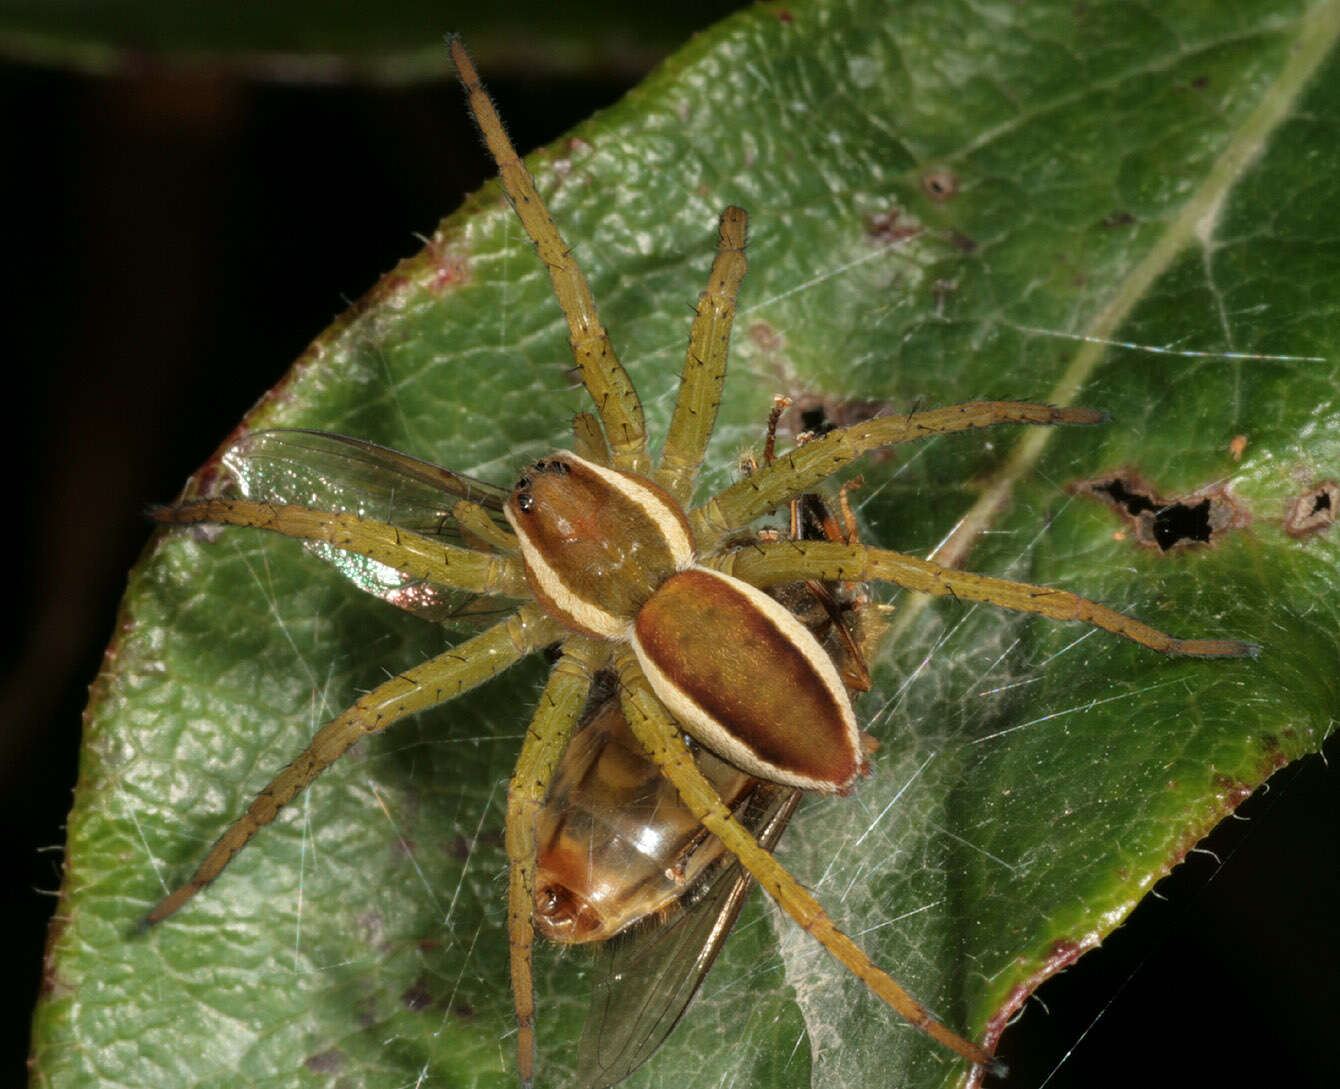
[525, 502]
[550, 465]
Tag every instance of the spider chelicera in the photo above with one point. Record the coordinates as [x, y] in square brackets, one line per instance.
[612, 566]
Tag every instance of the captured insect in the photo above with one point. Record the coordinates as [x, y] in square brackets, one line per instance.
[607, 560]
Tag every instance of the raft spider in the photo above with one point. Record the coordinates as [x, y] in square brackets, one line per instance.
[610, 565]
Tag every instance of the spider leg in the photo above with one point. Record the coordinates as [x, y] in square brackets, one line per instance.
[559, 707]
[705, 365]
[804, 467]
[435, 681]
[588, 440]
[411, 553]
[475, 520]
[603, 375]
[784, 561]
[663, 741]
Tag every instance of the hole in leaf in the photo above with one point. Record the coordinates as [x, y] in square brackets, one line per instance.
[1165, 523]
[1314, 511]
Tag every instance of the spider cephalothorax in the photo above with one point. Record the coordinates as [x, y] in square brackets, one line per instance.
[615, 569]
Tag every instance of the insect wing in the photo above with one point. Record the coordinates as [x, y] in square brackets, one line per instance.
[649, 977]
[331, 472]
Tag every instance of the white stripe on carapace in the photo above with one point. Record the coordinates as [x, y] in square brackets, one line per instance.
[585, 614]
[653, 504]
[717, 735]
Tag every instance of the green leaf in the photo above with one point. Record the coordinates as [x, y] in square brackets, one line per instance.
[941, 197]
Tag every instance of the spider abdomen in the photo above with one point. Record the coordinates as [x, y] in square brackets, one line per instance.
[749, 681]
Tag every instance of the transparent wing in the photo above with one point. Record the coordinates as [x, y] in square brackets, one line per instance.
[331, 472]
[324, 471]
[647, 979]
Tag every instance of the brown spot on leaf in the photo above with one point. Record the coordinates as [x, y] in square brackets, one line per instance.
[1165, 523]
[1232, 792]
[1314, 511]
[325, 1062]
[1118, 219]
[766, 336]
[52, 983]
[962, 242]
[939, 184]
[891, 227]
[416, 996]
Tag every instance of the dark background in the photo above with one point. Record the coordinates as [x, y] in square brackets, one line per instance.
[176, 240]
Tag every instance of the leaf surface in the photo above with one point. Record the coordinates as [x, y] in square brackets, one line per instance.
[941, 197]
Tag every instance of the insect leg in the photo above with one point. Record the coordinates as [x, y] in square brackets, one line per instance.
[435, 681]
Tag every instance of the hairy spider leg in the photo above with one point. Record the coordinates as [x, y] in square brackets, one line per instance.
[603, 375]
[560, 705]
[411, 553]
[588, 441]
[770, 563]
[798, 471]
[475, 520]
[658, 732]
[435, 681]
[704, 374]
